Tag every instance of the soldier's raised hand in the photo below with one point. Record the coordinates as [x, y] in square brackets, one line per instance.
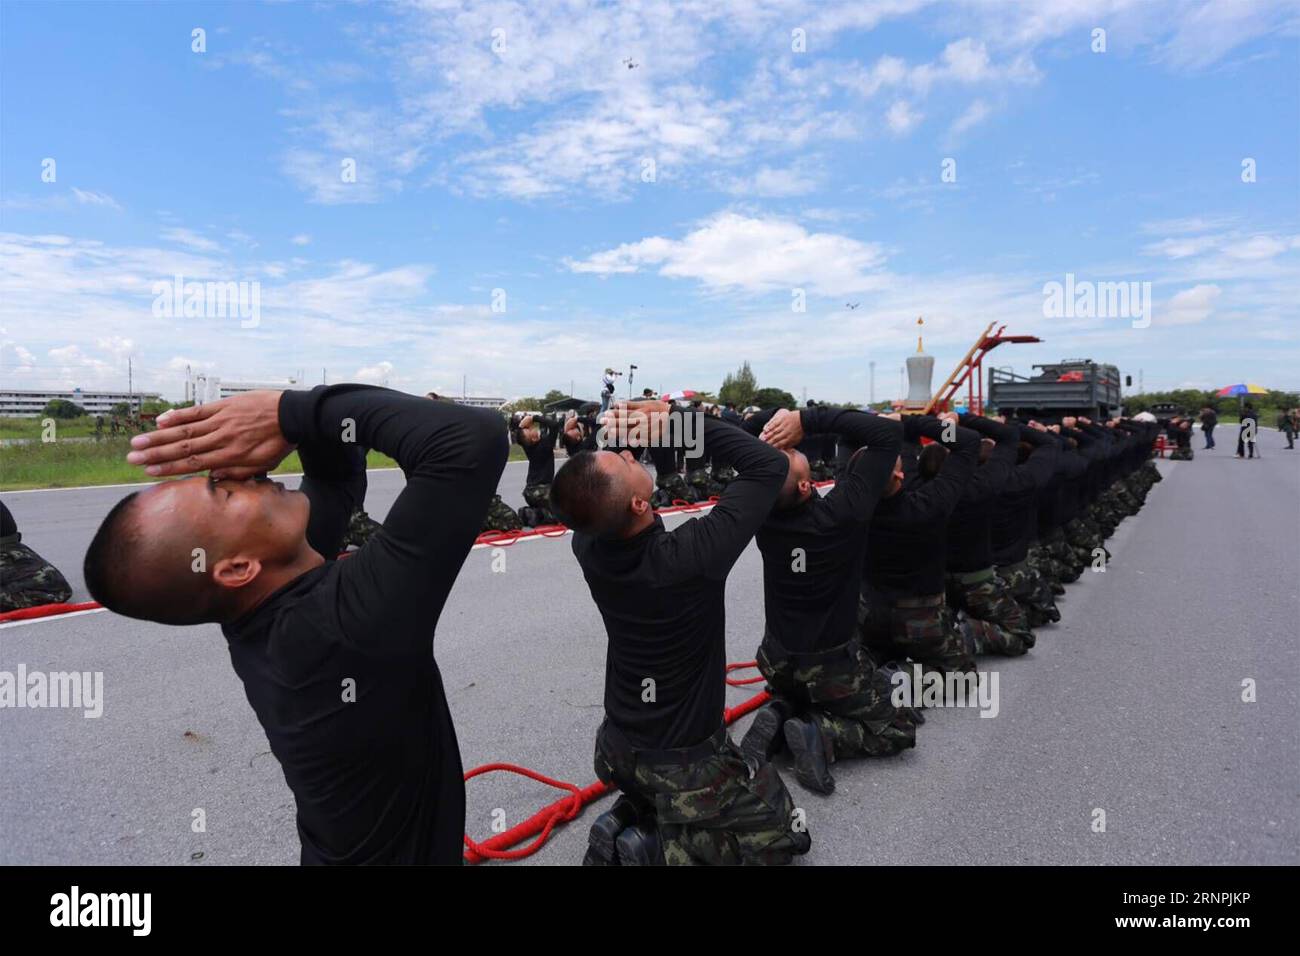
[237, 437]
[783, 430]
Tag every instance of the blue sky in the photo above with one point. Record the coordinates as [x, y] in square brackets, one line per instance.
[524, 169]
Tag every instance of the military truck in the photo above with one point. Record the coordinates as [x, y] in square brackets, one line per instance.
[1068, 387]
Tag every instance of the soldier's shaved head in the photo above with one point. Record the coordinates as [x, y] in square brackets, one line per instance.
[191, 551]
[601, 492]
[798, 481]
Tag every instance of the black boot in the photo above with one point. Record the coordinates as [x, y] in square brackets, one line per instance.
[811, 754]
[764, 739]
[605, 830]
[639, 846]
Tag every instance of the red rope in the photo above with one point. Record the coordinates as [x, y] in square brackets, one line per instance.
[742, 681]
[47, 610]
[541, 823]
[561, 812]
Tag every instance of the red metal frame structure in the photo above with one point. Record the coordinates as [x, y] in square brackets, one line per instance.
[970, 370]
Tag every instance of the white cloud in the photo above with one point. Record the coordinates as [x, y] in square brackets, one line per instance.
[1181, 247]
[1189, 306]
[901, 118]
[974, 114]
[735, 252]
[191, 239]
[374, 374]
[1257, 247]
[89, 197]
[302, 239]
[774, 183]
[1185, 224]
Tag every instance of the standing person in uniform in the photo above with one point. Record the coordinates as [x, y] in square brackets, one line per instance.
[1209, 418]
[336, 657]
[830, 702]
[688, 796]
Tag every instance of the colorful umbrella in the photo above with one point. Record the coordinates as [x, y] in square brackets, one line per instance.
[1232, 391]
[681, 395]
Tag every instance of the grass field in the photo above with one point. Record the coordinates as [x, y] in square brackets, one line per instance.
[69, 464]
[31, 428]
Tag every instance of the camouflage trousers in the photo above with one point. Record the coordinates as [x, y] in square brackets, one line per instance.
[993, 621]
[1066, 565]
[360, 527]
[822, 470]
[1181, 454]
[1031, 591]
[1124, 499]
[1154, 477]
[707, 808]
[27, 579]
[1103, 516]
[538, 510]
[1085, 540]
[841, 690]
[923, 629]
[1054, 559]
[1109, 511]
[501, 517]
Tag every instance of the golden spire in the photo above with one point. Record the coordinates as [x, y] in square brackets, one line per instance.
[919, 322]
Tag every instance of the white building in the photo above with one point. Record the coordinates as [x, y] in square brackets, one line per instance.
[210, 388]
[477, 401]
[30, 402]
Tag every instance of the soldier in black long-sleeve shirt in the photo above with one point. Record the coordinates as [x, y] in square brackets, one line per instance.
[1015, 523]
[990, 617]
[336, 657]
[829, 700]
[903, 612]
[662, 597]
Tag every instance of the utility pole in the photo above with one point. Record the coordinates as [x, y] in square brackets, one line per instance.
[1141, 390]
[902, 387]
[872, 387]
[130, 389]
[322, 376]
[464, 386]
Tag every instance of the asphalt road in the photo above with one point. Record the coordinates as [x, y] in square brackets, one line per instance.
[1132, 704]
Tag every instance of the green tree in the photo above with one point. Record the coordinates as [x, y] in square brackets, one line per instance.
[739, 387]
[121, 410]
[554, 395]
[772, 398]
[63, 409]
